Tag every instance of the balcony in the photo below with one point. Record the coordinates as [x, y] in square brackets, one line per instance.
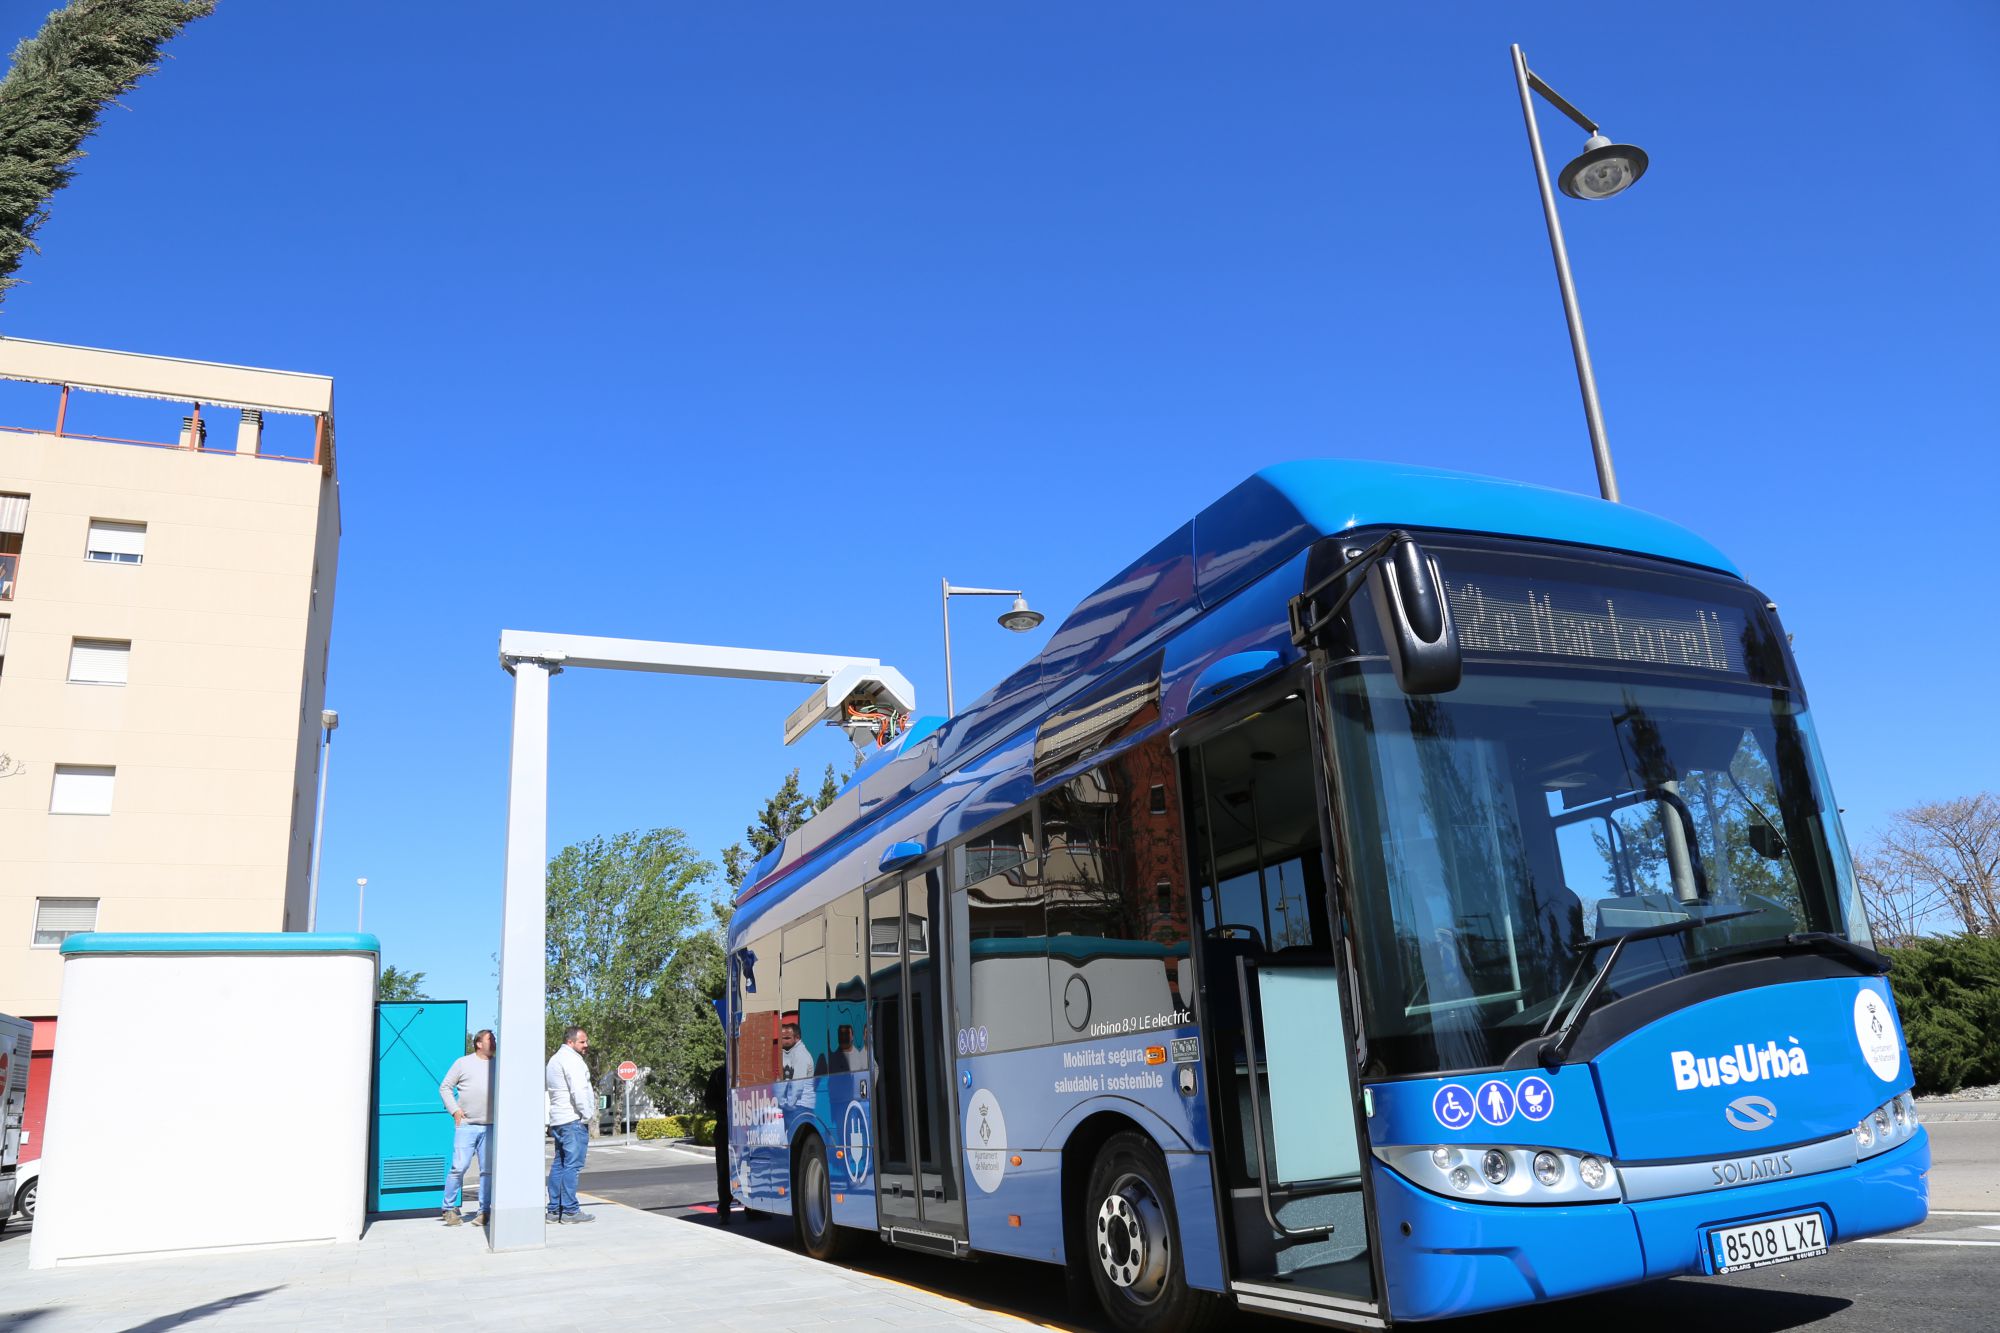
[115, 398]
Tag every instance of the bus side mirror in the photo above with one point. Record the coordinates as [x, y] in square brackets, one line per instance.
[1416, 621]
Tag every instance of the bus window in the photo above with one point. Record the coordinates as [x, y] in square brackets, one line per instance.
[1117, 903]
[847, 995]
[1256, 850]
[1006, 937]
[802, 1002]
[757, 1050]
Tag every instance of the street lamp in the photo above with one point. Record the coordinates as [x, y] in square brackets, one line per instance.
[360, 900]
[1018, 617]
[1602, 170]
[328, 721]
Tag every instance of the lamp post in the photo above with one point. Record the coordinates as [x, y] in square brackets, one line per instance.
[1017, 617]
[328, 721]
[1602, 170]
[360, 900]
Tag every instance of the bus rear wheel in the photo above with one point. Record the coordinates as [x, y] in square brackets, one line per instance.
[812, 1204]
[1134, 1253]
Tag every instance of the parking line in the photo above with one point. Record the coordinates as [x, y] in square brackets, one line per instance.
[1923, 1240]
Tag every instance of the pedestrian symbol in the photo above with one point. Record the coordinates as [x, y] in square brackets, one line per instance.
[1495, 1102]
[1452, 1106]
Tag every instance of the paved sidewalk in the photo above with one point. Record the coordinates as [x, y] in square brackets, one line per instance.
[627, 1266]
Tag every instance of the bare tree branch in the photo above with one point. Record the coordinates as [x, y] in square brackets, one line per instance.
[1942, 856]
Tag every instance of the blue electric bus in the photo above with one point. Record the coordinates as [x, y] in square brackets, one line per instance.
[1395, 895]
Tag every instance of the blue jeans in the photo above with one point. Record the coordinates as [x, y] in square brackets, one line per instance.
[465, 1141]
[572, 1141]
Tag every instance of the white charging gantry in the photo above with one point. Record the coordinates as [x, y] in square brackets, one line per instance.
[858, 694]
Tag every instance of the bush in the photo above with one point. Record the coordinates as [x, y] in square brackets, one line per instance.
[1948, 992]
[700, 1128]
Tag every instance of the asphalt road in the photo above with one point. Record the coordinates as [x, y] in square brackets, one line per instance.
[1941, 1277]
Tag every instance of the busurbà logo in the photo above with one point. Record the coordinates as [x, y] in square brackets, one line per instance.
[1743, 1064]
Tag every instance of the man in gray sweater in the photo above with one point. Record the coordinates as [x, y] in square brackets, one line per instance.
[468, 1094]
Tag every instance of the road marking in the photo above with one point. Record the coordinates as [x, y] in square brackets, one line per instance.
[1921, 1240]
[1946, 1212]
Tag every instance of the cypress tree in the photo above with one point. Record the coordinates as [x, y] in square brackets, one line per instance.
[87, 53]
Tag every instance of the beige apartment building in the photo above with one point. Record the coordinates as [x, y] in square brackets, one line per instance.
[165, 609]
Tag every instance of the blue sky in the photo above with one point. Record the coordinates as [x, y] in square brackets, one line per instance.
[746, 324]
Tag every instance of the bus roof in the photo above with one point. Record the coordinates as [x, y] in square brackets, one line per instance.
[1267, 520]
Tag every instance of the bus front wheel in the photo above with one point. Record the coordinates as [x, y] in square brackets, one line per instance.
[812, 1204]
[1134, 1243]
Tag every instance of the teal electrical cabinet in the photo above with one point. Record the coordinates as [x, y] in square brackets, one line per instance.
[415, 1043]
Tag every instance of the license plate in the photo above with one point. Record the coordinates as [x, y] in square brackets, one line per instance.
[1759, 1244]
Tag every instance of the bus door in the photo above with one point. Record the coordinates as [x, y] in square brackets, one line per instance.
[919, 1198]
[1278, 1037]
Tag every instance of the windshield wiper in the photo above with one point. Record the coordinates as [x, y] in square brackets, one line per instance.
[1554, 1052]
[1819, 941]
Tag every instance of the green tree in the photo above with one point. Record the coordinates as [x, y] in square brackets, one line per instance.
[633, 949]
[88, 53]
[394, 985]
[787, 808]
[1948, 992]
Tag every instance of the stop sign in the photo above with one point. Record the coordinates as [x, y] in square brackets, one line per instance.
[628, 1071]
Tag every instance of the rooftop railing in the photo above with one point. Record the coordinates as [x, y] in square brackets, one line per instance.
[95, 389]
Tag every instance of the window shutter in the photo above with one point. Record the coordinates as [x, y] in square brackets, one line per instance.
[81, 789]
[6, 622]
[99, 661]
[117, 538]
[13, 513]
[68, 916]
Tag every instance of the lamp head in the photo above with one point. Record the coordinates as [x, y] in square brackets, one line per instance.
[1019, 618]
[328, 718]
[1603, 169]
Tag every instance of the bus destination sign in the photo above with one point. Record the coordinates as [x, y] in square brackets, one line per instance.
[1508, 615]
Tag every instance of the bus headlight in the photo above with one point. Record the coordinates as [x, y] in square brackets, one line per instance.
[1506, 1174]
[1886, 1126]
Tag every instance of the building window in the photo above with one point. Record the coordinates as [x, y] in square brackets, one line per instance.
[13, 522]
[6, 623]
[56, 919]
[81, 789]
[118, 543]
[99, 661]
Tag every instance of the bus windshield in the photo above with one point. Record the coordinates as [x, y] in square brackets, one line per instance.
[1626, 751]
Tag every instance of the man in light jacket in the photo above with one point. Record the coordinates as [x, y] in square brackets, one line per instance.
[468, 1094]
[571, 1105]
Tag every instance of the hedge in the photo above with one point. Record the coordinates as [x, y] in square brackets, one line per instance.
[700, 1128]
[1948, 992]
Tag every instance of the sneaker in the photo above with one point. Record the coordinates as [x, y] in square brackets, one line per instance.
[551, 1218]
[451, 1218]
[572, 1219]
[473, 1219]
